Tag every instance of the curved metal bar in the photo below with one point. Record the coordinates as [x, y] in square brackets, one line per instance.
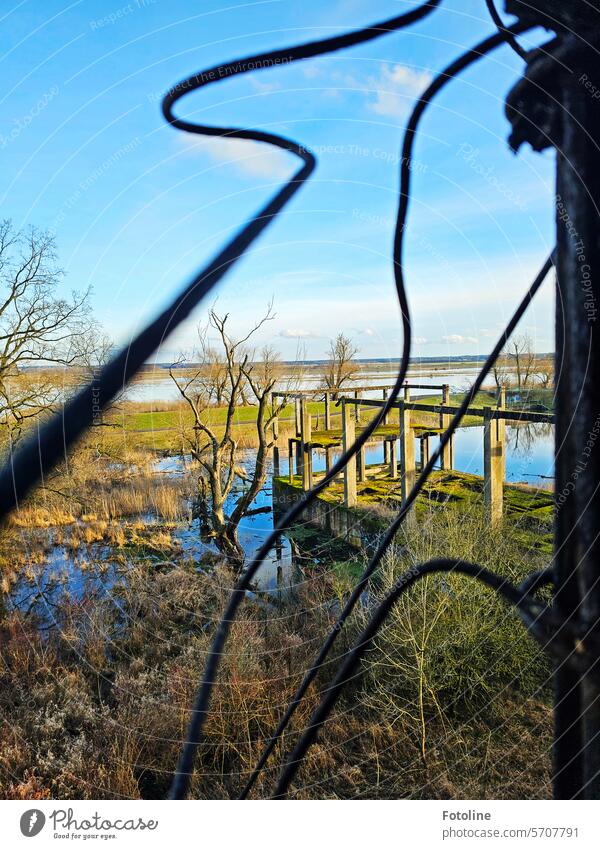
[508, 36]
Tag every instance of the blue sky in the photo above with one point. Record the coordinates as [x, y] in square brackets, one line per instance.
[138, 207]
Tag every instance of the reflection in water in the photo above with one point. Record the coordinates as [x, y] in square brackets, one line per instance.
[529, 452]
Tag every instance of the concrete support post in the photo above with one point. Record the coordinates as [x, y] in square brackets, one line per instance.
[357, 406]
[361, 464]
[305, 445]
[393, 459]
[447, 459]
[386, 451]
[501, 405]
[327, 411]
[493, 451]
[291, 459]
[328, 459]
[425, 451]
[276, 469]
[348, 438]
[297, 414]
[407, 453]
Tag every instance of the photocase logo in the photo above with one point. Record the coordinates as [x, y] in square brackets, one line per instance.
[32, 822]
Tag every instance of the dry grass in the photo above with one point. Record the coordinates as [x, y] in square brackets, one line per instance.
[99, 710]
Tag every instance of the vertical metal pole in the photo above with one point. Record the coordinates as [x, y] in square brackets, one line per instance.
[577, 556]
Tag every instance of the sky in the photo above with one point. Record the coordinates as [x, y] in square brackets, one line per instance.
[137, 207]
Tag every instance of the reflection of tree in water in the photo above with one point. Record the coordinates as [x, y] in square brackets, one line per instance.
[520, 438]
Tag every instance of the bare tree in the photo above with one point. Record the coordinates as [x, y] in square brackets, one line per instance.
[38, 327]
[544, 372]
[520, 349]
[341, 366]
[502, 372]
[214, 446]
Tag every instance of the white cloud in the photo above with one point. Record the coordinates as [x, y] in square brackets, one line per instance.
[396, 87]
[298, 333]
[420, 340]
[263, 88]
[250, 158]
[457, 339]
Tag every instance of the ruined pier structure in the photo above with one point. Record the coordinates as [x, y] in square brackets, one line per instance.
[316, 432]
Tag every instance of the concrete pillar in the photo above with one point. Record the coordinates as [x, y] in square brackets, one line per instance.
[328, 459]
[407, 393]
[407, 452]
[276, 469]
[386, 452]
[501, 405]
[493, 463]
[425, 452]
[291, 459]
[393, 459]
[297, 414]
[299, 458]
[447, 458]
[361, 464]
[305, 445]
[327, 411]
[357, 407]
[348, 438]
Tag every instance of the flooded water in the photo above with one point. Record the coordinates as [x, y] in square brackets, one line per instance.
[529, 453]
[93, 571]
[164, 389]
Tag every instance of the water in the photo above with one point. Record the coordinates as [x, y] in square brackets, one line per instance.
[164, 390]
[529, 453]
[91, 572]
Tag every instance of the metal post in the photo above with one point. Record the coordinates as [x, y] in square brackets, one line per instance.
[569, 119]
